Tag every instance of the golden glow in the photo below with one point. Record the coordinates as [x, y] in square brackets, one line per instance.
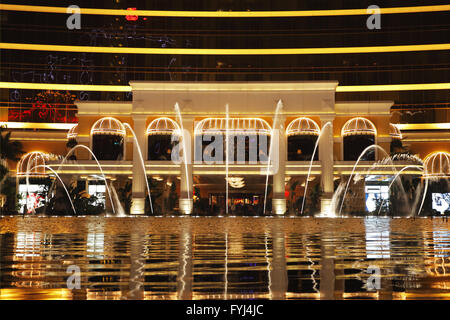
[36, 125]
[358, 126]
[198, 51]
[37, 139]
[59, 86]
[303, 126]
[108, 125]
[395, 87]
[226, 14]
[163, 125]
[424, 126]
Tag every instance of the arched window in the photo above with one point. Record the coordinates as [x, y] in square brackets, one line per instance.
[108, 138]
[396, 136]
[159, 139]
[302, 135]
[358, 134]
[248, 138]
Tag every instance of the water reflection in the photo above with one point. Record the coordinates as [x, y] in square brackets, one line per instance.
[219, 258]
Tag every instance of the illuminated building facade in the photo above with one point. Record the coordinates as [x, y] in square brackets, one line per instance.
[326, 67]
[299, 113]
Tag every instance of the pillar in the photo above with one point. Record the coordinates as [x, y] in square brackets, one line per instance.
[186, 203]
[326, 160]
[279, 155]
[139, 185]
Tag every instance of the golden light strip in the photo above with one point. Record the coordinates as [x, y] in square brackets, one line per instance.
[112, 88]
[225, 14]
[37, 125]
[198, 51]
[395, 87]
[424, 126]
[60, 86]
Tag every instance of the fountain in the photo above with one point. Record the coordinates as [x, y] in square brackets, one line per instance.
[373, 146]
[395, 178]
[311, 162]
[60, 180]
[275, 124]
[184, 136]
[98, 164]
[141, 158]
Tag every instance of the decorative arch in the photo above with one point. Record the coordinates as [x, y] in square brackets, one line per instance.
[34, 162]
[73, 132]
[358, 134]
[302, 134]
[233, 126]
[437, 165]
[250, 138]
[108, 139]
[108, 126]
[159, 138]
[303, 126]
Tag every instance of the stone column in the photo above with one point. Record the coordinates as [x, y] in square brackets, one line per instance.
[326, 159]
[186, 203]
[139, 175]
[279, 164]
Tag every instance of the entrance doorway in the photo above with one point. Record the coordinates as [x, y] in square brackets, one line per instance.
[242, 204]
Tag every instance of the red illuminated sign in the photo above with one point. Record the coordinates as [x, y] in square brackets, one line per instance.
[131, 18]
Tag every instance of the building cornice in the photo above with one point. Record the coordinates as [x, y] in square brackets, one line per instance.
[234, 86]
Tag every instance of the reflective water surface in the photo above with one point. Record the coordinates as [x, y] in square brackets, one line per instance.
[224, 258]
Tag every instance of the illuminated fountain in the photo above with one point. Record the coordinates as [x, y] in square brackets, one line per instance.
[186, 201]
[279, 205]
[305, 126]
[141, 158]
[34, 165]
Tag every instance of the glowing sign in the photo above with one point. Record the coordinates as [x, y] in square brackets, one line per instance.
[131, 18]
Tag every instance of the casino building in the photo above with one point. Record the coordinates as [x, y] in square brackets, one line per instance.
[278, 122]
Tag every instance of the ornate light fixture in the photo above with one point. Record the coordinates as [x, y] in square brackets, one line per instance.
[358, 126]
[163, 126]
[233, 126]
[437, 165]
[109, 126]
[236, 182]
[73, 132]
[303, 126]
